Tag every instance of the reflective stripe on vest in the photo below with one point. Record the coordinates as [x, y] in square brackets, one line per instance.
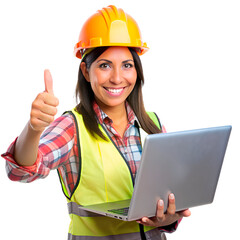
[73, 208]
[104, 176]
[154, 234]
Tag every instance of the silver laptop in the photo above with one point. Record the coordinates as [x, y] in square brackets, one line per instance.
[186, 163]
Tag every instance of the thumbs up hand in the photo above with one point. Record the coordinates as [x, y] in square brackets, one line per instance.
[44, 107]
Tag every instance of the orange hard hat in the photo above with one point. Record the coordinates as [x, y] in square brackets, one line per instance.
[110, 26]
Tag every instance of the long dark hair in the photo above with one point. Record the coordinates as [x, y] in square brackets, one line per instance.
[86, 96]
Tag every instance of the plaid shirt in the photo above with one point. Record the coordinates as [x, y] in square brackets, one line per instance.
[58, 150]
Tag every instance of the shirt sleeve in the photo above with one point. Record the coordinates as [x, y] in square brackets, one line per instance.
[55, 146]
[170, 228]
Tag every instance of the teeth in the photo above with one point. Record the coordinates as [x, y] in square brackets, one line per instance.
[113, 90]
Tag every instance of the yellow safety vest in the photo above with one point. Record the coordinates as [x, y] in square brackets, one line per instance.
[104, 176]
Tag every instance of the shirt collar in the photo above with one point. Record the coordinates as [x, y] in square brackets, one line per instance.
[103, 117]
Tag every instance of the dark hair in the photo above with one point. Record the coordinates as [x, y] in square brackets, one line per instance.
[86, 96]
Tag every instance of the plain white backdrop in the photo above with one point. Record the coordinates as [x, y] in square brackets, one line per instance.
[192, 74]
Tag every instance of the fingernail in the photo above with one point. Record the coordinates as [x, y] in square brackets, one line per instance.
[144, 220]
[171, 196]
[161, 202]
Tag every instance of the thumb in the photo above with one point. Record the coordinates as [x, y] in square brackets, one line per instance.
[48, 82]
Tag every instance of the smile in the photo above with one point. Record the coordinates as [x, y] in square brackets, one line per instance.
[115, 91]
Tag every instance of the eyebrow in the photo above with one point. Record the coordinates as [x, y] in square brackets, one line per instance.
[106, 60]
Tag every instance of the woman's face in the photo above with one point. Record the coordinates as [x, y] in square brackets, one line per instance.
[112, 77]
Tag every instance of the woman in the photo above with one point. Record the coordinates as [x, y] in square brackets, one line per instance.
[96, 147]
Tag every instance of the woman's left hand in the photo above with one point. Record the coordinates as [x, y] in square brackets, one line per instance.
[164, 219]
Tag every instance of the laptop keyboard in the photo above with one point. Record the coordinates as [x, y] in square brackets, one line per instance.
[120, 211]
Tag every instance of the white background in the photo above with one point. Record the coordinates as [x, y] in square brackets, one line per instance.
[192, 72]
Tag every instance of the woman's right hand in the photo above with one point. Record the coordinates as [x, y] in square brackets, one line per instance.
[44, 107]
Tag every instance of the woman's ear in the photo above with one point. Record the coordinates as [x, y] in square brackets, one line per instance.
[84, 71]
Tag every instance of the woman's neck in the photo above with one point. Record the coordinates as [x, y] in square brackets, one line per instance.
[118, 114]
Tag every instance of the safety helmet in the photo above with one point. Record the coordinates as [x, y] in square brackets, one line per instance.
[110, 26]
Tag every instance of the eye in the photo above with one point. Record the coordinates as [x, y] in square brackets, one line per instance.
[104, 65]
[128, 65]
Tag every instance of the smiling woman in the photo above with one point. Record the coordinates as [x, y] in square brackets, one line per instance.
[96, 147]
[125, 72]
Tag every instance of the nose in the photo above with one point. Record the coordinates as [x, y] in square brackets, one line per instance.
[116, 77]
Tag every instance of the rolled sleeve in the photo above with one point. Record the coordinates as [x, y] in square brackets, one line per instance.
[16, 172]
[170, 228]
